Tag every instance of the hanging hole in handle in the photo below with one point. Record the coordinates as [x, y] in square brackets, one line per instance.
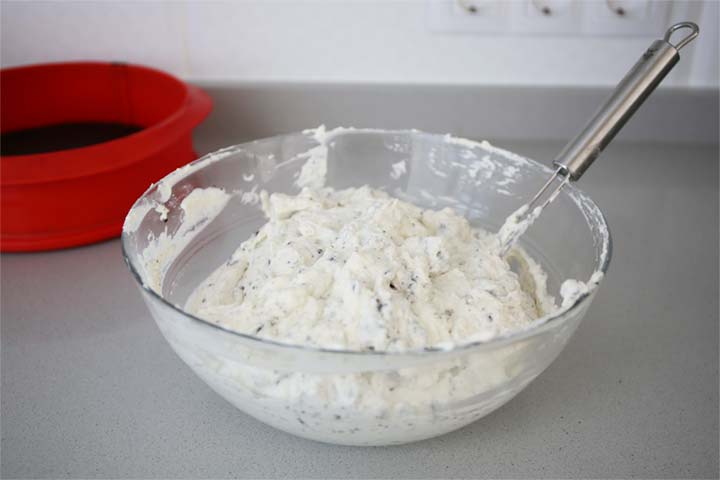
[695, 31]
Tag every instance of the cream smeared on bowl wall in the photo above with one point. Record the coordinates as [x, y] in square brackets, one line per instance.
[161, 251]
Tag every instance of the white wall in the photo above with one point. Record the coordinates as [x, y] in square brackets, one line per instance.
[330, 41]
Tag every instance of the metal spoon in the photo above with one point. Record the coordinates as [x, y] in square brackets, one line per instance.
[581, 152]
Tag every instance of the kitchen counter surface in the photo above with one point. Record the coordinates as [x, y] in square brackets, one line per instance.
[91, 389]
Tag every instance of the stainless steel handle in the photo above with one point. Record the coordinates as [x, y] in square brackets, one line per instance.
[627, 97]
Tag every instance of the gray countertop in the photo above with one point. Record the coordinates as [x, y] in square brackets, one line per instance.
[91, 389]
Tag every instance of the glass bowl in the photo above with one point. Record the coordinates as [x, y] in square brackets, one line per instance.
[351, 397]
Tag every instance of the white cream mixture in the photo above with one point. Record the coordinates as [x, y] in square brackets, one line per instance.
[357, 269]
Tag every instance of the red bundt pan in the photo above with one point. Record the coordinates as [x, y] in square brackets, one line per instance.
[81, 195]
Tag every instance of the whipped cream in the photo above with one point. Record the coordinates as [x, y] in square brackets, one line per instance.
[357, 269]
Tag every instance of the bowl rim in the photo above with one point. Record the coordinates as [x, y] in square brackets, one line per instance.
[536, 327]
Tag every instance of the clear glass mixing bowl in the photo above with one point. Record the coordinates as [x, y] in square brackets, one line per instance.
[366, 398]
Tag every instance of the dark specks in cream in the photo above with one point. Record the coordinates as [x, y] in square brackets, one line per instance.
[356, 268]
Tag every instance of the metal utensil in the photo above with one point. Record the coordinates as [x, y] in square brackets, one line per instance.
[581, 152]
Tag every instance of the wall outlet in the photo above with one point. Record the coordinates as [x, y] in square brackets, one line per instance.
[626, 17]
[551, 17]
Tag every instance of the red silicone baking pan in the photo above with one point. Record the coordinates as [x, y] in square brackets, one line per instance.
[81, 195]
